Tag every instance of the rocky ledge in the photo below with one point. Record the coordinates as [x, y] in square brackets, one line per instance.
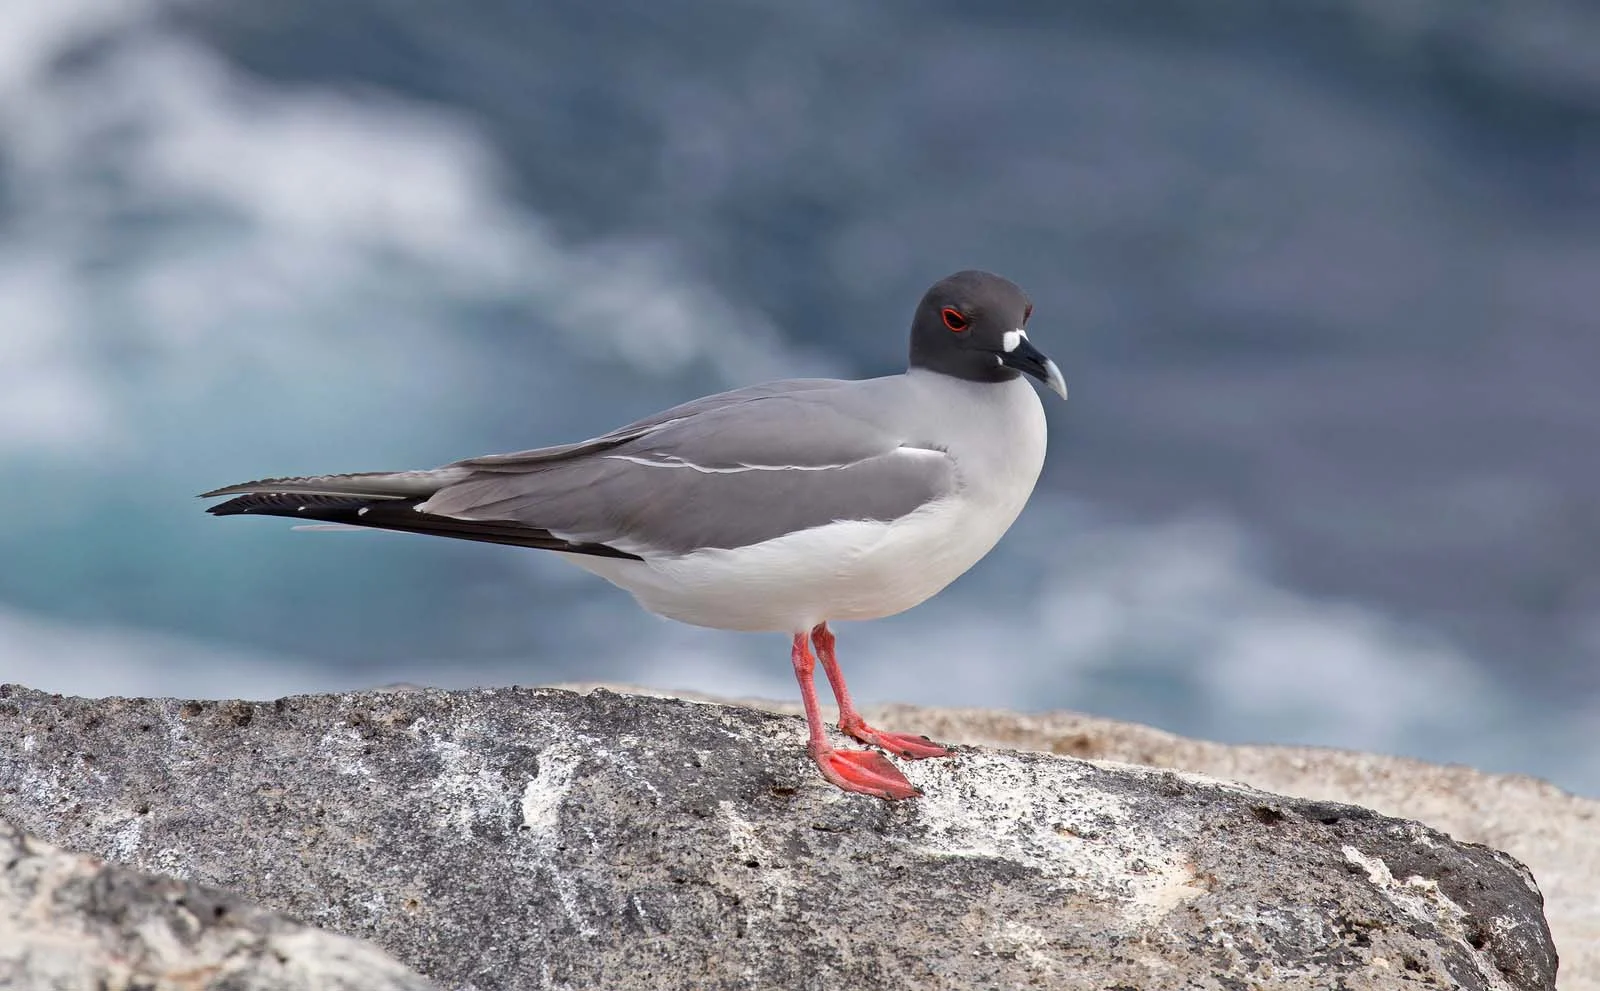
[549, 839]
[70, 922]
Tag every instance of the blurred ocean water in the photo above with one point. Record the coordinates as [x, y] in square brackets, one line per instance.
[1323, 279]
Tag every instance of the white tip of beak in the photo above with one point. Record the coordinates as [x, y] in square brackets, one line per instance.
[1057, 384]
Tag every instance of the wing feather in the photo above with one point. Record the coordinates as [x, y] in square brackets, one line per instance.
[722, 477]
[725, 471]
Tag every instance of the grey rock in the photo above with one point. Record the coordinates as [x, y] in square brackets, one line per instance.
[72, 922]
[547, 839]
[1553, 832]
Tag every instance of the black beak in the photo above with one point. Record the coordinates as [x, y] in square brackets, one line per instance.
[1026, 358]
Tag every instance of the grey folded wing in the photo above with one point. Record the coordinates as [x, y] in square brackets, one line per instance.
[724, 472]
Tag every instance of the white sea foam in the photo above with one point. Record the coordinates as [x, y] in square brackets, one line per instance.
[303, 240]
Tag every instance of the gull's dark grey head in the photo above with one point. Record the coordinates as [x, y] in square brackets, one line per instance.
[973, 326]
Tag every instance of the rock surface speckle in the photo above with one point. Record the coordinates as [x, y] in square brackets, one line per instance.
[1553, 832]
[69, 922]
[547, 839]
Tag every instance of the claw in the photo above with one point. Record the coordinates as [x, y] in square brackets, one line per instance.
[866, 772]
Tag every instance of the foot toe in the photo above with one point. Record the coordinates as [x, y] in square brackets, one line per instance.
[866, 772]
[911, 747]
[906, 745]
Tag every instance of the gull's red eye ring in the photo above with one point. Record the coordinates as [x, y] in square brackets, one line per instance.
[954, 320]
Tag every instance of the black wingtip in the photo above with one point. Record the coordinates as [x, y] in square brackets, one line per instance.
[290, 504]
[401, 515]
[232, 507]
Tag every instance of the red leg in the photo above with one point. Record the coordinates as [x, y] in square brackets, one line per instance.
[864, 771]
[850, 721]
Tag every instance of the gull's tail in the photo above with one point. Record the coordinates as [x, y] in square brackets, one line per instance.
[370, 484]
[385, 501]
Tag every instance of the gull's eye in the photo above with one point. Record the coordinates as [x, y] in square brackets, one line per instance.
[954, 320]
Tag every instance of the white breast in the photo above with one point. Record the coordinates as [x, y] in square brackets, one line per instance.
[995, 433]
